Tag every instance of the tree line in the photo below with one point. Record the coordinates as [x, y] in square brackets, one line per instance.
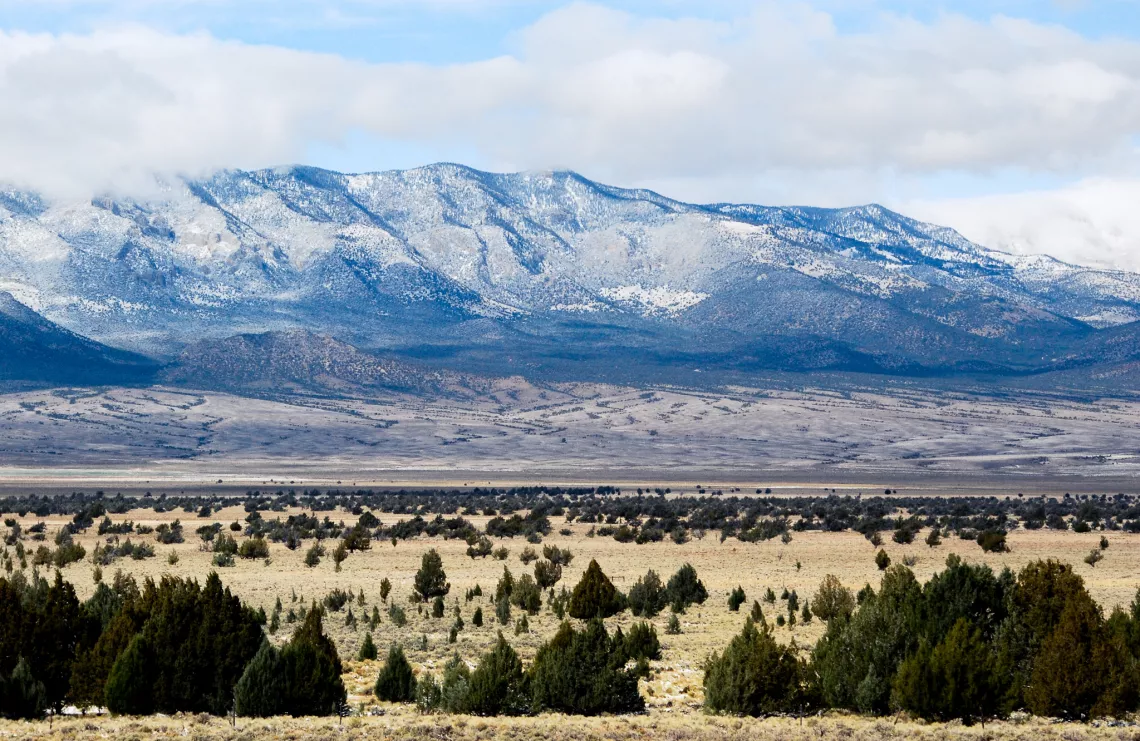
[640, 515]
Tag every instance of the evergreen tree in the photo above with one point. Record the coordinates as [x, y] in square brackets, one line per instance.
[23, 697]
[526, 595]
[312, 670]
[367, 649]
[93, 665]
[736, 599]
[262, 690]
[431, 580]
[754, 675]
[129, 687]
[547, 574]
[642, 642]
[882, 560]
[397, 682]
[595, 595]
[684, 589]
[957, 679]
[647, 595]
[1068, 676]
[505, 587]
[503, 611]
[477, 618]
[857, 657]
[497, 686]
[579, 673]
[832, 600]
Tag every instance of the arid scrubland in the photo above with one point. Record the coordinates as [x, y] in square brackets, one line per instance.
[673, 693]
[398, 724]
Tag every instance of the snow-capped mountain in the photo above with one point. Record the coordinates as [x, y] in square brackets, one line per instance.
[526, 267]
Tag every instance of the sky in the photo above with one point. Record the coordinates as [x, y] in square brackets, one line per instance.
[1015, 121]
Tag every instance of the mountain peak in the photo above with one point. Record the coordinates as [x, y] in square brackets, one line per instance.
[523, 269]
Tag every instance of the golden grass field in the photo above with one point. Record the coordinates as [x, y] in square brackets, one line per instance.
[673, 695]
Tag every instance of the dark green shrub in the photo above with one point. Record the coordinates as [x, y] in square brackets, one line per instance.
[642, 642]
[129, 688]
[503, 611]
[505, 587]
[23, 697]
[955, 680]
[754, 675]
[547, 574]
[595, 595]
[832, 600]
[312, 670]
[367, 650]
[497, 686]
[685, 589]
[736, 599]
[579, 673]
[397, 682]
[882, 560]
[526, 595]
[647, 595]
[254, 548]
[261, 692]
[993, 541]
[431, 581]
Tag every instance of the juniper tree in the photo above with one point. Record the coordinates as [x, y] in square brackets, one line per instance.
[431, 580]
[23, 697]
[577, 672]
[647, 595]
[262, 690]
[595, 595]
[367, 650]
[736, 599]
[396, 682]
[685, 589]
[312, 670]
[497, 685]
[754, 675]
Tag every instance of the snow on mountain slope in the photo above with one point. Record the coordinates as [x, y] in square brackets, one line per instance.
[453, 256]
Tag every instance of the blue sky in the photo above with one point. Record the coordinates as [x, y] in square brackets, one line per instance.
[995, 115]
[444, 31]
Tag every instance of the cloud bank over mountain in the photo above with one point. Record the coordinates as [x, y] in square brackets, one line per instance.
[778, 104]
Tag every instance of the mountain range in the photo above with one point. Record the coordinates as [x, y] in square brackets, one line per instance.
[540, 274]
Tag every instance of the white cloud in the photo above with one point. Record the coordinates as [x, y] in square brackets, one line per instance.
[1095, 222]
[723, 109]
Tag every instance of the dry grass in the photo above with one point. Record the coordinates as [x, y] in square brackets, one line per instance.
[673, 694]
[404, 723]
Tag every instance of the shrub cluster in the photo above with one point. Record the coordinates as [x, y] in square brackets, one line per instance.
[968, 644]
[171, 646]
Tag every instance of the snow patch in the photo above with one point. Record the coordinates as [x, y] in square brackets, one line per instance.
[656, 300]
